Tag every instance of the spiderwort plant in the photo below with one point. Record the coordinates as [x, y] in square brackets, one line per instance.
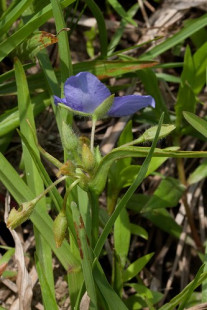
[85, 95]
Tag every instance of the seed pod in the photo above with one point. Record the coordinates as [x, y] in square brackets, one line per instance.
[88, 159]
[59, 228]
[69, 139]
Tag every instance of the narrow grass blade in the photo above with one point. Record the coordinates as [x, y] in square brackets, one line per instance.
[20, 35]
[122, 203]
[133, 269]
[119, 32]
[182, 296]
[101, 25]
[10, 119]
[121, 11]
[32, 175]
[47, 295]
[9, 19]
[186, 100]
[184, 33]
[85, 254]
[197, 122]
[64, 55]
[21, 193]
[152, 88]
[122, 236]
[112, 299]
[57, 199]
[63, 44]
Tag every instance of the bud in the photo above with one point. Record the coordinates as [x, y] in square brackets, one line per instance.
[17, 217]
[85, 140]
[69, 139]
[103, 108]
[59, 228]
[88, 160]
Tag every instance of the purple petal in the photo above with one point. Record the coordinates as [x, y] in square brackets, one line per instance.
[59, 100]
[128, 105]
[84, 92]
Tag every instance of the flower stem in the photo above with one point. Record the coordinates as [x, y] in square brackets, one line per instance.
[35, 200]
[68, 192]
[93, 133]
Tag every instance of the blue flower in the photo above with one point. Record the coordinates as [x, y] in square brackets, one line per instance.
[84, 93]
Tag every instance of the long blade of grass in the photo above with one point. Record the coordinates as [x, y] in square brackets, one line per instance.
[197, 122]
[101, 26]
[35, 22]
[122, 203]
[112, 299]
[184, 33]
[85, 254]
[118, 34]
[21, 193]
[10, 119]
[200, 277]
[10, 18]
[47, 295]
[32, 175]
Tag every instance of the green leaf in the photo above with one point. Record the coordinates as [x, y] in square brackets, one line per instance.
[85, 254]
[152, 88]
[181, 35]
[160, 217]
[117, 279]
[198, 174]
[133, 269]
[197, 122]
[9, 120]
[101, 26]
[47, 294]
[119, 32]
[185, 99]
[7, 21]
[20, 35]
[200, 62]
[33, 178]
[122, 235]
[167, 195]
[110, 296]
[145, 293]
[98, 182]
[21, 193]
[138, 231]
[34, 43]
[7, 256]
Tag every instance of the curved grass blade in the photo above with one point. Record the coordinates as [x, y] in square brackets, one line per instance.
[33, 178]
[101, 26]
[122, 203]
